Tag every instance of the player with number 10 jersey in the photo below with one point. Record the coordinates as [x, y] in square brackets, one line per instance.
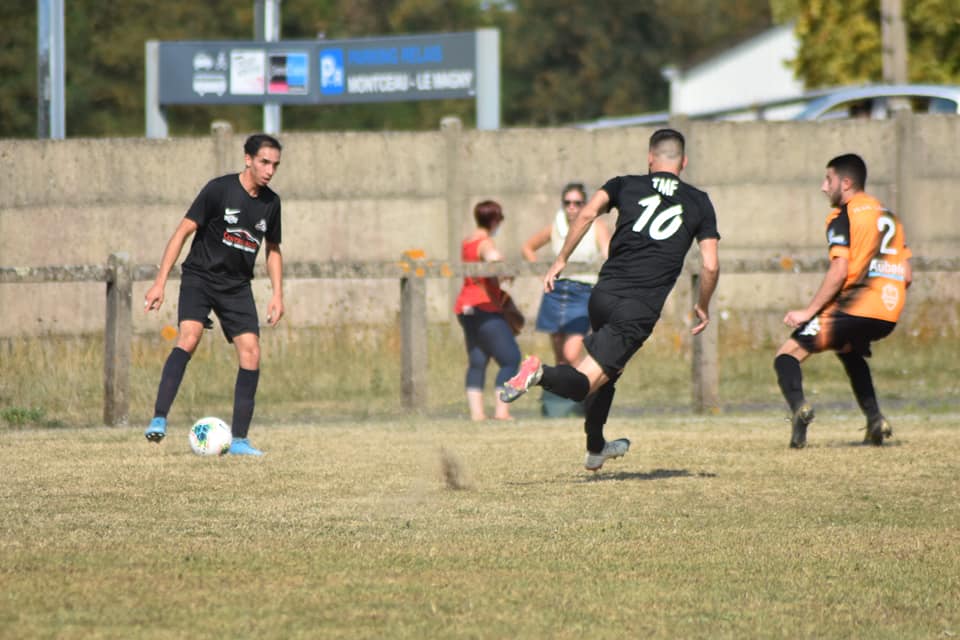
[659, 218]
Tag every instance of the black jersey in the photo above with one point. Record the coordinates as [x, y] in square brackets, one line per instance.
[659, 217]
[231, 227]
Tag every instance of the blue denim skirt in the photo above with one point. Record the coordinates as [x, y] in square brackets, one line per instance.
[564, 310]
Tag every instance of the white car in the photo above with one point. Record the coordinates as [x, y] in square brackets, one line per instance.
[869, 101]
[879, 101]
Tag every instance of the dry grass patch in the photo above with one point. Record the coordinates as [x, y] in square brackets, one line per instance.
[707, 528]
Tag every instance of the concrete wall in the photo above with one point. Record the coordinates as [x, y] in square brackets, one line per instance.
[370, 196]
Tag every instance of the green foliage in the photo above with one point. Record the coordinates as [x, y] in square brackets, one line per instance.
[18, 68]
[934, 36]
[841, 42]
[22, 416]
[569, 60]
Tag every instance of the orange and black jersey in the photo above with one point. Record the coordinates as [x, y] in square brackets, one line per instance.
[871, 238]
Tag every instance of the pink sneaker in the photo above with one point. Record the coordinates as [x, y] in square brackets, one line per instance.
[531, 370]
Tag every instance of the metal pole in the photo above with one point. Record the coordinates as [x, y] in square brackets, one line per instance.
[156, 119]
[51, 70]
[272, 116]
[488, 78]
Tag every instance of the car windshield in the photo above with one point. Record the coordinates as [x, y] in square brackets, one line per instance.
[877, 107]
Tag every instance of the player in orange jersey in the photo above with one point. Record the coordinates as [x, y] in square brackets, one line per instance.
[859, 301]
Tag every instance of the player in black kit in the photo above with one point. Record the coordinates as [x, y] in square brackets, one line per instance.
[659, 218]
[232, 216]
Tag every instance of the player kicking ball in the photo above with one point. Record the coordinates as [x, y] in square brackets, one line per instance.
[659, 218]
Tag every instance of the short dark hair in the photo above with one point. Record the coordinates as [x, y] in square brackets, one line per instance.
[851, 166]
[486, 213]
[259, 140]
[574, 186]
[662, 135]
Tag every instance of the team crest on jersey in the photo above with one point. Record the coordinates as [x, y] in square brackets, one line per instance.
[890, 296]
[261, 226]
[231, 215]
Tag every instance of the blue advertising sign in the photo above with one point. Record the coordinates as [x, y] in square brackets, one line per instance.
[401, 68]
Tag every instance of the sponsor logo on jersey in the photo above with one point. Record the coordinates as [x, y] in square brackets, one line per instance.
[262, 225]
[241, 239]
[230, 215]
[890, 296]
[666, 186]
[880, 268]
[836, 238]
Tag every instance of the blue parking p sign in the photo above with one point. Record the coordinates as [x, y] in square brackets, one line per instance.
[331, 71]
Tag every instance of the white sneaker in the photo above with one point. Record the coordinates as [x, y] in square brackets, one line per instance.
[613, 449]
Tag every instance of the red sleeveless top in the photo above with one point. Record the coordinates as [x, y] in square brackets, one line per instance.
[483, 294]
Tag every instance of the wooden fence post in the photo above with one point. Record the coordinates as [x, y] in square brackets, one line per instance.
[706, 373]
[116, 342]
[413, 331]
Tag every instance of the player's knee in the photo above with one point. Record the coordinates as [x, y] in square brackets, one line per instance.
[188, 342]
[248, 351]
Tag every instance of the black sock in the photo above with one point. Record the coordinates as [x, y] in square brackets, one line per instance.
[862, 382]
[790, 379]
[243, 401]
[170, 378]
[565, 381]
[597, 410]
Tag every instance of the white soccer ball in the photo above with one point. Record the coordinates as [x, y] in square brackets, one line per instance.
[210, 437]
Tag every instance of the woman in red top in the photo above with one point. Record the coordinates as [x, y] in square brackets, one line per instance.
[478, 308]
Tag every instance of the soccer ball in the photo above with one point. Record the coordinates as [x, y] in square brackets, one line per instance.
[210, 437]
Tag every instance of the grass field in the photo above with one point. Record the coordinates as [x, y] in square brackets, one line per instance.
[709, 528]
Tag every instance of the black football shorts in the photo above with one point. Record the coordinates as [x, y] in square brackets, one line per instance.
[833, 331]
[620, 327]
[234, 306]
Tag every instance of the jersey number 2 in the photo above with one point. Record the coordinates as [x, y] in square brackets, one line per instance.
[665, 224]
[888, 227]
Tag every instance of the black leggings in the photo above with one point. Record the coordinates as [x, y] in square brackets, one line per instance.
[488, 336]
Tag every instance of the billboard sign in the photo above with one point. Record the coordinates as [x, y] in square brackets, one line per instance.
[389, 69]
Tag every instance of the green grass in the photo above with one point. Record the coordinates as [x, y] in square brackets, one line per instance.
[708, 528]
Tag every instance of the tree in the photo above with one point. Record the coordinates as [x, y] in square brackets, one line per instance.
[18, 68]
[568, 60]
[840, 43]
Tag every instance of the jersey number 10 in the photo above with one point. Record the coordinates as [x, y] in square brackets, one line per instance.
[665, 224]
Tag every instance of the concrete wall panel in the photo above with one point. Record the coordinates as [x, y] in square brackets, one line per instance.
[371, 196]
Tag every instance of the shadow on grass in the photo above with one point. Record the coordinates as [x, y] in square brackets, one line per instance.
[857, 444]
[656, 474]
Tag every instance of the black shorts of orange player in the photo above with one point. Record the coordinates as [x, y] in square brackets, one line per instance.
[840, 332]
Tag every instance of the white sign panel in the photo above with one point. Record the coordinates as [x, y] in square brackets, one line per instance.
[248, 70]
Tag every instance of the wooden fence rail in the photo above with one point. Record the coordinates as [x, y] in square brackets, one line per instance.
[412, 270]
